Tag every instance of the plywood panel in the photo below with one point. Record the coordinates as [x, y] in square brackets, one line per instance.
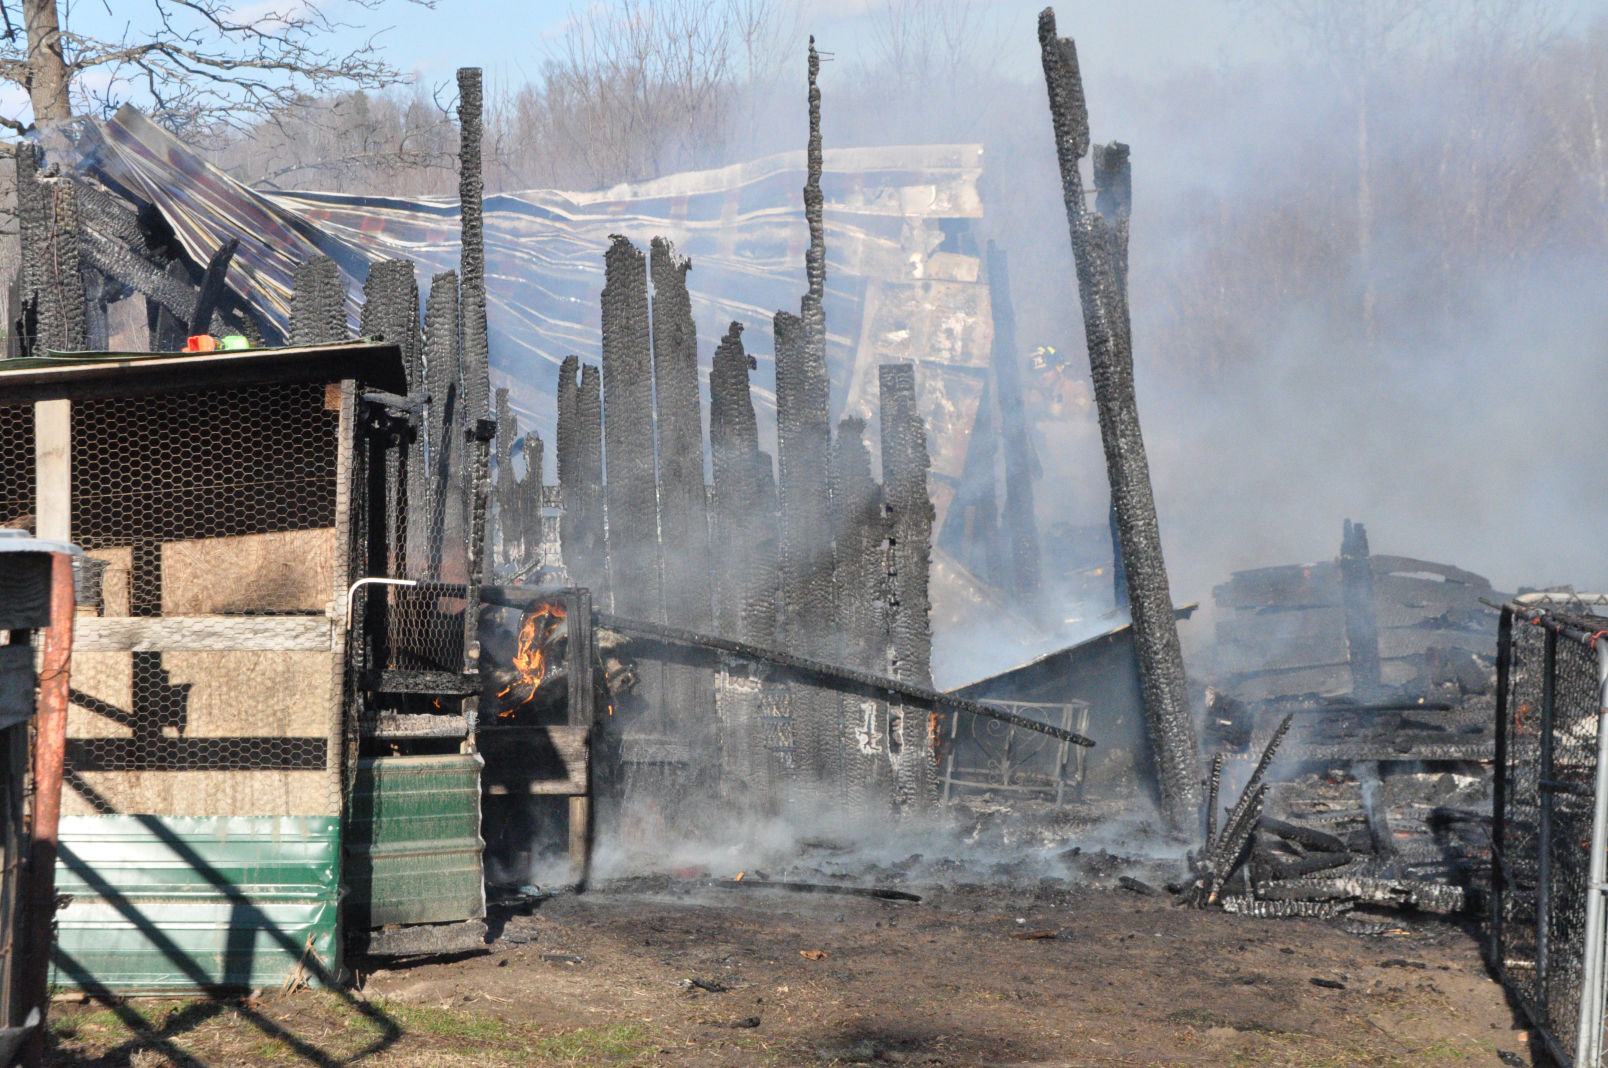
[106, 677]
[254, 693]
[289, 571]
[206, 793]
[114, 579]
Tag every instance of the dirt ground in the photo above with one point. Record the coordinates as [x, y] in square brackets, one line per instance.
[714, 976]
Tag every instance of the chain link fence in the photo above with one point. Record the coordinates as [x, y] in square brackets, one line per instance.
[1546, 802]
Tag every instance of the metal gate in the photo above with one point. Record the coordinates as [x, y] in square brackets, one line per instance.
[1549, 829]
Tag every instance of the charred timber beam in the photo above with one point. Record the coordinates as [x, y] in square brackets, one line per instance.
[659, 632]
[209, 300]
[176, 297]
[1310, 837]
[1099, 249]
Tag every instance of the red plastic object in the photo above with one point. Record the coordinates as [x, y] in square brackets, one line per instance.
[200, 343]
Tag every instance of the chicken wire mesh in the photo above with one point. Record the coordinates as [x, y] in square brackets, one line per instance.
[215, 506]
[1545, 785]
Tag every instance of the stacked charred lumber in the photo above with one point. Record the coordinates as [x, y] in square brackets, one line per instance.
[813, 557]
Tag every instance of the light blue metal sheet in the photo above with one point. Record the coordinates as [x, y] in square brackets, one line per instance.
[166, 903]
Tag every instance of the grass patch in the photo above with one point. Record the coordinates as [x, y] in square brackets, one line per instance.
[446, 1023]
[596, 1045]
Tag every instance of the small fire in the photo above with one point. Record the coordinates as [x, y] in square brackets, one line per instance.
[530, 657]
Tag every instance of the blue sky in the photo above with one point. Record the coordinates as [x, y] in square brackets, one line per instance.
[1147, 38]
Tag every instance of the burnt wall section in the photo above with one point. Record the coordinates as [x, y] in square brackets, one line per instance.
[628, 439]
[1099, 247]
[317, 304]
[909, 524]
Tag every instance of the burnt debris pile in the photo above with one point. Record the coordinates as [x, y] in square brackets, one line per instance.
[1376, 674]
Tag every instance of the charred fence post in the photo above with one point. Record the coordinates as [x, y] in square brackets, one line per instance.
[1362, 626]
[910, 517]
[1099, 249]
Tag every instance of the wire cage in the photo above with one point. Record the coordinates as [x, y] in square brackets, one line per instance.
[1544, 811]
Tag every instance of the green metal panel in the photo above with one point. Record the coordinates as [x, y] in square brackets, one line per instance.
[172, 903]
[413, 847]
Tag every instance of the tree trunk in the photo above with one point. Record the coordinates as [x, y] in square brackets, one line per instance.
[48, 77]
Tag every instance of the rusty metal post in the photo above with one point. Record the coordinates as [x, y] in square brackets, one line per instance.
[50, 747]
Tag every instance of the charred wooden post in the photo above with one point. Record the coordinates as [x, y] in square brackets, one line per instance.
[317, 303]
[1020, 520]
[684, 518]
[1099, 247]
[589, 504]
[745, 515]
[744, 525]
[529, 505]
[509, 527]
[391, 311]
[580, 477]
[910, 515]
[632, 490]
[51, 267]
[474, 358]
[1362, 626]
[683, 501]
[860, 595]
[443, 423]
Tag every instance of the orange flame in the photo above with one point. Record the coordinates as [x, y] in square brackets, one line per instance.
[530, 656]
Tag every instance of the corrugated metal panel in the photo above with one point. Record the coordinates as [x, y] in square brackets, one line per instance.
[413, 850]
[171, 903]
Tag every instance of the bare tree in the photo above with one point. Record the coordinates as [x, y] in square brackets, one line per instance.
[192, 64]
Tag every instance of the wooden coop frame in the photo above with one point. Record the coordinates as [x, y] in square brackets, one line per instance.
[221, 502]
